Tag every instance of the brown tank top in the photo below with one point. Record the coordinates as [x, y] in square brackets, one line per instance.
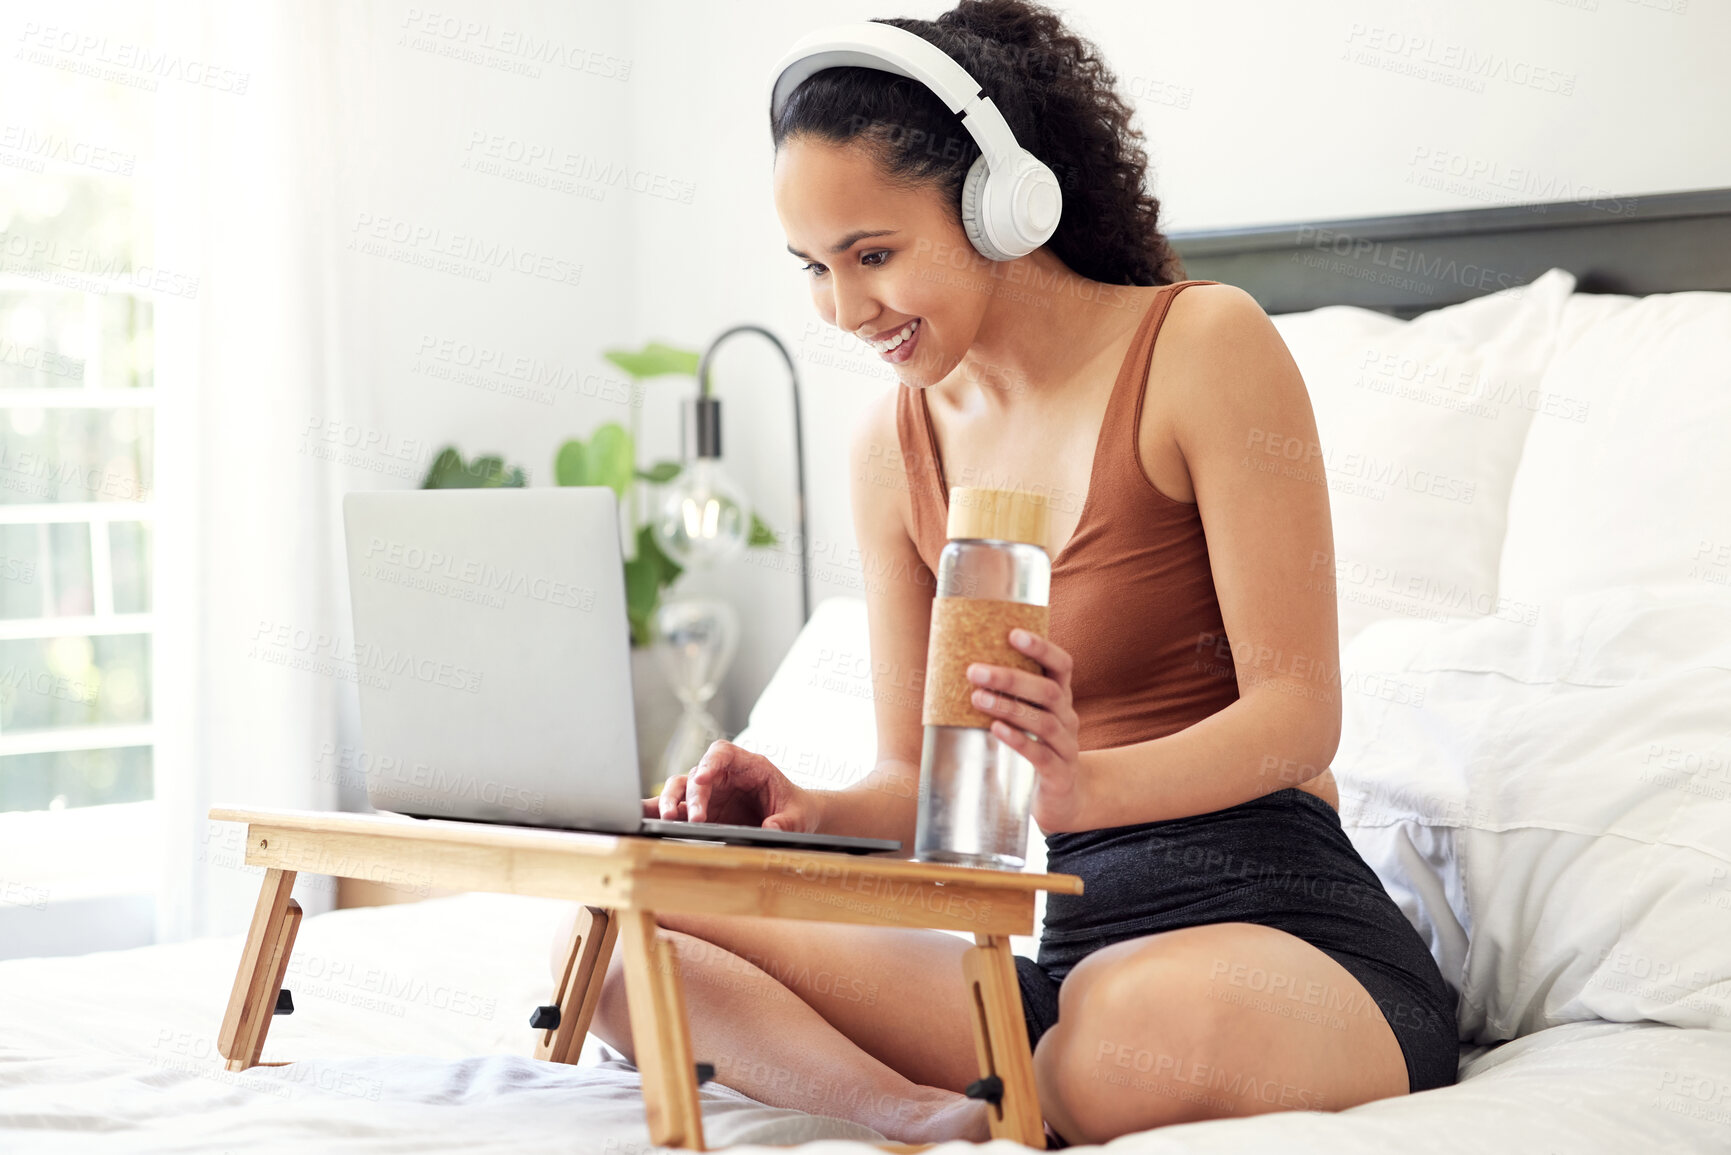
[1132, 592]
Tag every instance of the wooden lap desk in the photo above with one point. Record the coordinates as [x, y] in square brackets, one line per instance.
[622, 882]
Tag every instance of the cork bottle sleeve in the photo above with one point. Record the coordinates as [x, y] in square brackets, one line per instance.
[968, 630]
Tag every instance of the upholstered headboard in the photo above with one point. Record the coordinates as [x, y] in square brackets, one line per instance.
[1407, 264]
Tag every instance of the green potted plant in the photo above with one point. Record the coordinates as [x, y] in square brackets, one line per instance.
[449, 471]
[609, 458]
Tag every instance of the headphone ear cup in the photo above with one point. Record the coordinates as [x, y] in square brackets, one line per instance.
[973, 210]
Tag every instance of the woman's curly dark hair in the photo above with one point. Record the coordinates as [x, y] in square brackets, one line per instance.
[1060, 100]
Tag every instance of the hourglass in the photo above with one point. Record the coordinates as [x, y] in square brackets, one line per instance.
[698, 637]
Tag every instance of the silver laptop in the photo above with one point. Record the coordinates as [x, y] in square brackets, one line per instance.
[492, 653]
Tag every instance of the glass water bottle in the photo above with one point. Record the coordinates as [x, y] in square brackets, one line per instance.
[993, 576]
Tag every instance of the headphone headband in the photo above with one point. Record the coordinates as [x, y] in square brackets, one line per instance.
[1011, 202]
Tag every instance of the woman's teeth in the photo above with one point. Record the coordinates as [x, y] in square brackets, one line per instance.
[906, 332]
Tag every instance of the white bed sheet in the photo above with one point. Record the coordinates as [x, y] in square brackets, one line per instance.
[410, 1034]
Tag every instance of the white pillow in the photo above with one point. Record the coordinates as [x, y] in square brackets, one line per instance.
[1640, 489]
[1551, 804]
[815, 720]
[1421, 424]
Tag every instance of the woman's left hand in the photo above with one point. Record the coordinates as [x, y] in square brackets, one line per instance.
[1024, 704]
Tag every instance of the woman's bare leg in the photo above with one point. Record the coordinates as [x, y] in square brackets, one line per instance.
[768, 1041]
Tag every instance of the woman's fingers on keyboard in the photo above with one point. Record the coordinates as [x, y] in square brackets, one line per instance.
[697, 797]
[713, 769]
[673, 798]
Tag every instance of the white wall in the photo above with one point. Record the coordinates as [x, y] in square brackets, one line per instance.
[432, 103]
[1255, 111]
[459, 148]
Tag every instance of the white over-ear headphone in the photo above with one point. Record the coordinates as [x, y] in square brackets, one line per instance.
[1010, 200]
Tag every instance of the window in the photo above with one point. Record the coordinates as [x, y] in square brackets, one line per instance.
[77, 426]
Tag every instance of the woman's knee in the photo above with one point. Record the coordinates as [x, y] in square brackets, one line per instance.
[1128, 1040]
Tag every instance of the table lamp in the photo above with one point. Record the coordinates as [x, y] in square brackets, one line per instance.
[704, 520]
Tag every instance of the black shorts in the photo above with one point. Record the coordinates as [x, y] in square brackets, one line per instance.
[1281, 860]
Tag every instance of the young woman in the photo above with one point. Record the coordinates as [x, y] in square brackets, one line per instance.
[1232, 954]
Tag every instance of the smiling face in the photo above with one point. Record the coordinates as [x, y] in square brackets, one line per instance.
[881, 257]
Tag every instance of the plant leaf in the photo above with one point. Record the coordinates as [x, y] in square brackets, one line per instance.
[655, 360]
[448, 462]
[611, 457]
[667, 569]
[485, 472]
[661, 472]
[761, 534]
[642, 591]
[571, 464]
[645, 576]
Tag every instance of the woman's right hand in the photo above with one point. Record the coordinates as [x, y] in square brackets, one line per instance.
[733, 785]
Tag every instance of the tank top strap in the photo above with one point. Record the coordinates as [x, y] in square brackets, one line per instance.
[1119, 461]
[924, 473]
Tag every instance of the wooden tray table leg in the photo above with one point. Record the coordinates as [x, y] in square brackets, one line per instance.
[586, 957]
[1001, 1039]
[264, 960]
[660, 1033]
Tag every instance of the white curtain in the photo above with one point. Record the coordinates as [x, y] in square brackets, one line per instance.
[251, 703]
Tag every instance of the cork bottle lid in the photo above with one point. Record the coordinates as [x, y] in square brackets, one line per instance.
[1001, 514]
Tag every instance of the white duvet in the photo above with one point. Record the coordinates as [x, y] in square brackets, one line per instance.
[410, 1034]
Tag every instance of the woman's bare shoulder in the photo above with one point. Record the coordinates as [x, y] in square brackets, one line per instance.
[878, 474]
[1206, 310]
[1205, 314]
[1217, 336]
